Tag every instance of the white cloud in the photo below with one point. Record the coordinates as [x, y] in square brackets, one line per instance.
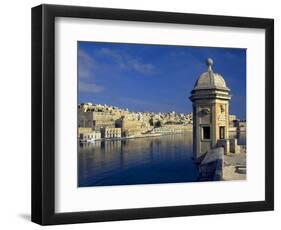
[141, 67]
[87, 65]
[90, 87]
[116, 57]
[125, 61]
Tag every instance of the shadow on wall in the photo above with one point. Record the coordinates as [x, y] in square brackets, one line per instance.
[25, 216]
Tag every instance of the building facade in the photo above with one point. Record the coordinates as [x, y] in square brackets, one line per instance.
[88, 135]
[210, 99]
[111, 133]
[95, 120]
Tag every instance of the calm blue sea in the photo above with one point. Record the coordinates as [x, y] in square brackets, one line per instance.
[151, 160]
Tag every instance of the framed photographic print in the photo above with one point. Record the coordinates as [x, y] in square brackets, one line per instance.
[142, 114]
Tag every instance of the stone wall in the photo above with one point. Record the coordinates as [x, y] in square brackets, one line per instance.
[211, 166]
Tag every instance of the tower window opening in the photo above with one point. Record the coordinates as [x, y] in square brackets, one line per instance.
[222, 128]
[206, 132]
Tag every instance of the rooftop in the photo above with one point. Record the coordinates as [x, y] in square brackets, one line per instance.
[210, 79]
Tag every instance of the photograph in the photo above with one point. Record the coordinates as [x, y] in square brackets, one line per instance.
[142, 113]
[151, 114]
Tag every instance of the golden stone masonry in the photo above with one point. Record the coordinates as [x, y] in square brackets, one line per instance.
[210, 98]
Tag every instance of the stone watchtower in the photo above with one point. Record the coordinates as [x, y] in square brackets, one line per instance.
[210, 100]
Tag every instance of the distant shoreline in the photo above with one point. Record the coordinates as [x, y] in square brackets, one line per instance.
[153, 135]
[140, 136]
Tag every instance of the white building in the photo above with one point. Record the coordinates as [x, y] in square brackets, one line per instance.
[111, 133]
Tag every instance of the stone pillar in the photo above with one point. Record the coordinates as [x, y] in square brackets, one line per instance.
[234, 147]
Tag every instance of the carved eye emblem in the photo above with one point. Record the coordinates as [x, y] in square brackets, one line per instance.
[205, 111]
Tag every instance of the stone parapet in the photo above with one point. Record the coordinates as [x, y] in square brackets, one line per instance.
[225, 143]
[211, 166]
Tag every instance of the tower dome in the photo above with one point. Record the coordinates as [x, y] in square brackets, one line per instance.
[210, 79]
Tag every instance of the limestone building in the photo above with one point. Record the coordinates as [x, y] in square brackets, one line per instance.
[210, 99]
[132, 125]
[88, 135]
[110, 133]
[95, 120]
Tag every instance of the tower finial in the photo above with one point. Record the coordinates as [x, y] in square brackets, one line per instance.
[209, 64]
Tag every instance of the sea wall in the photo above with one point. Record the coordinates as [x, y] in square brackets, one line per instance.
[211, 166]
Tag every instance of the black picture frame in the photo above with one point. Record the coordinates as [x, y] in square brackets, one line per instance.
[43, 114]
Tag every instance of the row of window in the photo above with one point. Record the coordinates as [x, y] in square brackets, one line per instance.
[114, 135]
[115, 132]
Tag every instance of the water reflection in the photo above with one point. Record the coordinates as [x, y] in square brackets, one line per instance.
[165, 159]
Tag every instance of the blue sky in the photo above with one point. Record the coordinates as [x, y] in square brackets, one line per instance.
[155, 78]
